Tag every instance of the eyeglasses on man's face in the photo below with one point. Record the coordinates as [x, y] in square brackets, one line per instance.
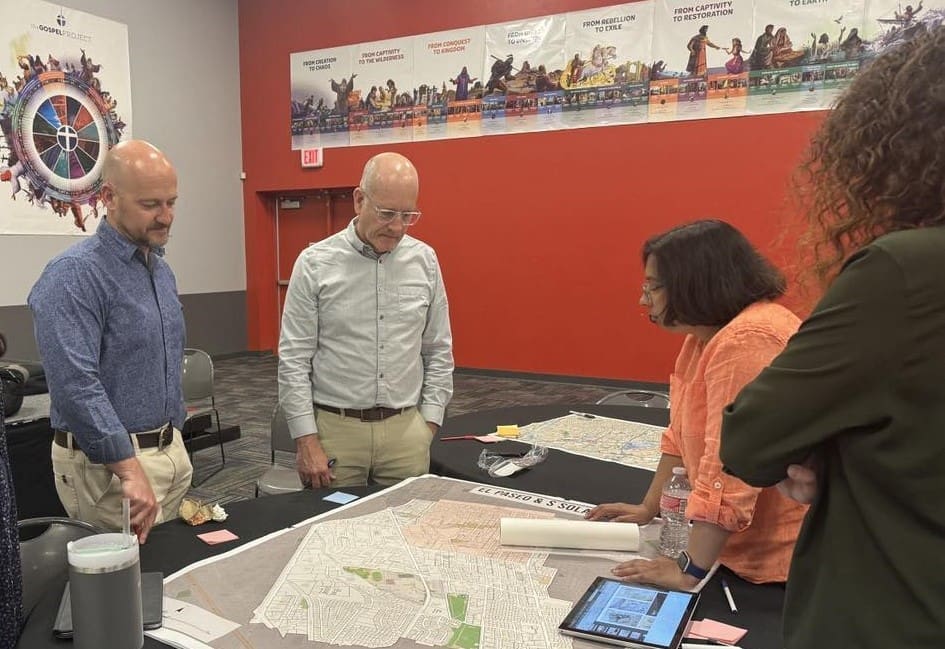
[648, 288]
[408, 217]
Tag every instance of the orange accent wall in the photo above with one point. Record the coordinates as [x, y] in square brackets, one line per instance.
[538, 234]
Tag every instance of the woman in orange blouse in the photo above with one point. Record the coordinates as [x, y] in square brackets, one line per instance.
[704, 280]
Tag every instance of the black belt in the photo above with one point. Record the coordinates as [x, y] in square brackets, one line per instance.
[151, 439]
[377, 413]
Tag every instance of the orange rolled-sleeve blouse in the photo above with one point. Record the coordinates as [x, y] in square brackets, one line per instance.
[708, 375]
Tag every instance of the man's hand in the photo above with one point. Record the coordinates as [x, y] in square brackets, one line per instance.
[312, 462]
[434, 428]
[620, 513]
[136, 487]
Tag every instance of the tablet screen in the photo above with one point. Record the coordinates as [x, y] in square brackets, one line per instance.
[631, 614]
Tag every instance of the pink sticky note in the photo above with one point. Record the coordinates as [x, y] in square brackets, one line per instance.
[711, 630]
[220, 536]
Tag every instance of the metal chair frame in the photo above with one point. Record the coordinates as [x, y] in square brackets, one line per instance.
[200, 400]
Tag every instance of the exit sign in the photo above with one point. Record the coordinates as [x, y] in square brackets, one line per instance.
[313, 157]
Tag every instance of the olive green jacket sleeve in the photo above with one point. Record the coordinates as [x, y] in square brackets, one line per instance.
[831, 379]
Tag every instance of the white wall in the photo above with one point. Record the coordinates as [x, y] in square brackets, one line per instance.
[185, 99]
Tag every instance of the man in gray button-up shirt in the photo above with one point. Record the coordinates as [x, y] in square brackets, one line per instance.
[365, 354]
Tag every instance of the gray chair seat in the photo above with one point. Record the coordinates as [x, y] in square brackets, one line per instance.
[279, 479]
[644, 398]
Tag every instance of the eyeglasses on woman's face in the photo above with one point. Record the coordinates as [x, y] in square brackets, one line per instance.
[648, 288]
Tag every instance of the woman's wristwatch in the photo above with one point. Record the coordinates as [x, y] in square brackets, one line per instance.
[684, 561]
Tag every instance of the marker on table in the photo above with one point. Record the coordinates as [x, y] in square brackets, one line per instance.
[728, 596]
[586, 415]
[332, 461]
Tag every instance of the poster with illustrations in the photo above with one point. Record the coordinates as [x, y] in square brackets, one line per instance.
[449, 85]
[892, 22]
[522, 64]
[65, 100]
[888, 24]
[699, 55]
[629, 63]
[321, 84]
[605, 78]
[380, 97]
[804, 53]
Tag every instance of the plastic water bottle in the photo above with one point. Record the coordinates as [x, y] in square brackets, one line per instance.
[674, 537]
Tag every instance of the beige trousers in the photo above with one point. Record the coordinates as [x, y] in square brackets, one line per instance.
[92, 493]
[384, 452]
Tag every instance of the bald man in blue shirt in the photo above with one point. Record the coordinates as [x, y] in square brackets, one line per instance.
[110, 331]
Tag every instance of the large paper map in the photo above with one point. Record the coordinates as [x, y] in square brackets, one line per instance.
[605, 438]
[417, 565]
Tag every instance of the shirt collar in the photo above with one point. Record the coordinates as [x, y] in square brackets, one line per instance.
[115, 241]
[365, 249]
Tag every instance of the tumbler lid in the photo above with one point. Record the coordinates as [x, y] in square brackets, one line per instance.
[103, 552]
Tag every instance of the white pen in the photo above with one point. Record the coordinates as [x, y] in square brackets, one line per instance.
[586, 415]
[728, 596]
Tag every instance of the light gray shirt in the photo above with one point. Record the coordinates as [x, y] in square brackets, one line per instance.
[361, 330]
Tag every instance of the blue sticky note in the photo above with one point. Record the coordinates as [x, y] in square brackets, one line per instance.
[340, 497]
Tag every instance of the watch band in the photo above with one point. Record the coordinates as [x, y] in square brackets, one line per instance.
[687, 566]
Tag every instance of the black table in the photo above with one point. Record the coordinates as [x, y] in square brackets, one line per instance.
[576, 477]
[565, 475]
[174, 545]
[29, 444]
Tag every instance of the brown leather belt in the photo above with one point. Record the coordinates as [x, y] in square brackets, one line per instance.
[377, 413]
[150, 439]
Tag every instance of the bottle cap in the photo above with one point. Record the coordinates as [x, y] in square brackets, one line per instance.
[679, 470]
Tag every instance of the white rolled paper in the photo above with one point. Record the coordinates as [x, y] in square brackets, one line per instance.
[582, 535]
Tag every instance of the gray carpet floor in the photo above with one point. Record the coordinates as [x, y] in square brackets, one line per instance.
[246, 391]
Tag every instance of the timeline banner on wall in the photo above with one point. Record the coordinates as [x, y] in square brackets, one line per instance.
[65, 100]
[605, 78]
[648, 61]
[448, 86]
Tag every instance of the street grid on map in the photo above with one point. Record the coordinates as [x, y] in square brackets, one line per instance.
[625, 442]
[418, 565]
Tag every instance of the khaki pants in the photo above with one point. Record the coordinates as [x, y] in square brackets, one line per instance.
[92, 493]
[384, 452]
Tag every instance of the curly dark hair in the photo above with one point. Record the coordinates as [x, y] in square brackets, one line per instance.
[710, 273]
[877, 164]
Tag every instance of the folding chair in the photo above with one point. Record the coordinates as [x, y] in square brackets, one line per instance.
[43, 555]
[279, 479]
[199, 400]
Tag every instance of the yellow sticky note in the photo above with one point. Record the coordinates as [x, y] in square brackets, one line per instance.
[507, 431]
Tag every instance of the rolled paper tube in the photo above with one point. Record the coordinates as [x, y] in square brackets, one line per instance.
[582, 535]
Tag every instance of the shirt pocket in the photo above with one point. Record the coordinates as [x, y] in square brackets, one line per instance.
[413, 303]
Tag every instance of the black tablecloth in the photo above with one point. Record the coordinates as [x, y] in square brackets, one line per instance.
[174, 545]
[577, 477]
[566, 475]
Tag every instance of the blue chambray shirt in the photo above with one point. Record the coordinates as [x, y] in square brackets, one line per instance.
[111, 336]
